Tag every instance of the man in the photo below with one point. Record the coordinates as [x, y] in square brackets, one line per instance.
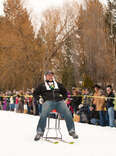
[110, 105]
[54, 95]
[99, 101]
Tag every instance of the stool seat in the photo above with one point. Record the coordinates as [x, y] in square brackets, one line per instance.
[53, 115]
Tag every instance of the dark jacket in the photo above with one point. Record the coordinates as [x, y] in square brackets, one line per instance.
[75, 102]
[93, 113]
[110, 100]
[55, 94]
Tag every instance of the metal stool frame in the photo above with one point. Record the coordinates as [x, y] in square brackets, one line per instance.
[56, 128]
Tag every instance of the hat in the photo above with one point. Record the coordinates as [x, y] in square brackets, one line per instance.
[48, 72]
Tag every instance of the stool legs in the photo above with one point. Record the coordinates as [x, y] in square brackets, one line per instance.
[56, 128]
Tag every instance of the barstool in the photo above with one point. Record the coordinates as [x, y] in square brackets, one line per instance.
[56, 127]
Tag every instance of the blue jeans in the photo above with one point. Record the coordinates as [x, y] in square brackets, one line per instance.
[39, 108]
[102, 118]
[60, 107]
[111, 116]
[12, 106]
[94, 121]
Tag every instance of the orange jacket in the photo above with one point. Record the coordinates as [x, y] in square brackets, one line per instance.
[99, 102]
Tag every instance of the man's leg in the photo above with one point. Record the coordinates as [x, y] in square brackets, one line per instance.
[101, 116]
[63, 109]
[106, 118]
[111, 116]
[47, 107]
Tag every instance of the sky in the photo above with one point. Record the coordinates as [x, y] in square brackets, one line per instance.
[43, 4]
[17, 132]
[36, 7]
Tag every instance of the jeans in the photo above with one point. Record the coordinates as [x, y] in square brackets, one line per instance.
[12, 106]
[111, 116]
[102, 118]
[60, 107]
[94, 121]
[39, 110]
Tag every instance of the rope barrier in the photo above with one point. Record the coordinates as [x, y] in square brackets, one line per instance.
[89, 96]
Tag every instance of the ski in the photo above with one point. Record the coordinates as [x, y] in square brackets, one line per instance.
[58, 140]
[55, 140]
[65, 141]
[51, 141]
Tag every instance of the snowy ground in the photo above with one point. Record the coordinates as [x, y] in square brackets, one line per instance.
[17, 132]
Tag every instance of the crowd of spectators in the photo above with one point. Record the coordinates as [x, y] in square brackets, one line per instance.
[97, 107]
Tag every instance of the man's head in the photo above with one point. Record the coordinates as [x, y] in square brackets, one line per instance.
[109, 89]
[97, 88]
[49, 76]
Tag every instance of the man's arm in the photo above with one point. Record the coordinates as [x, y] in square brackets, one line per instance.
[37, 92]
[63, 91]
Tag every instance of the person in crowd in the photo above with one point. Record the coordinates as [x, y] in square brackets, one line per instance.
[99, 101]
[17, 103]
[68, 102]
[110, 105]
[101, 107]
[96, 96]
[12, 105]
[95, 99]
[21, 103]
[76, 99]
[28, 102]
[93, 116]
[40, 103]
[84, 106]
[86, 100]
[4, 103]
[1, 101]
[114, 105]
[54, 95]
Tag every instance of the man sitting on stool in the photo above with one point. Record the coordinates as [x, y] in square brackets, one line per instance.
[54, 95]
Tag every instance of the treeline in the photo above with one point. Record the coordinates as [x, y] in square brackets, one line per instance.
[72, 41]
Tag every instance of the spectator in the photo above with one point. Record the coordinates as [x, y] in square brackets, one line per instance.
[101, 107]
[12, 105]
[93, 116]
[84, 106]
[76, 99]
[17, 103]
[68, 102]
[110, 105]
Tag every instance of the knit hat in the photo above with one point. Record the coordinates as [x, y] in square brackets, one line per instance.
[49, 72]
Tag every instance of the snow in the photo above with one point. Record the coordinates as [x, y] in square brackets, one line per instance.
[17, 132]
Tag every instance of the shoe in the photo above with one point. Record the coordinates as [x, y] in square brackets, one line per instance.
[38, 136]
[74, 135]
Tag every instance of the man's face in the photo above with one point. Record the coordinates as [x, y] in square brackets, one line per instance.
[96, 89]
[49, 77]
[108, 90]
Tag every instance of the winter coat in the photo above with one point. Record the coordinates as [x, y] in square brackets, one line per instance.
[75, 102]
[53, 94]
[110, 100]
[99, 102]
[92, 113]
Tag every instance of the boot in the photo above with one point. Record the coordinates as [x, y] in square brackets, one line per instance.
[74, 135]
[38, 136]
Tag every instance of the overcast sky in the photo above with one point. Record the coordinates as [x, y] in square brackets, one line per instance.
[35, 4]
[38, 6]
